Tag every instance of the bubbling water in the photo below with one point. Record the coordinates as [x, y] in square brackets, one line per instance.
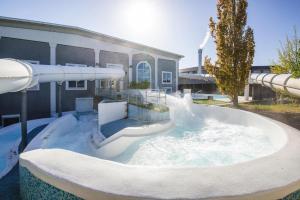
[215, 144]
[197, 141]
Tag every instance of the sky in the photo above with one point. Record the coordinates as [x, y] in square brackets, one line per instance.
[179, 26]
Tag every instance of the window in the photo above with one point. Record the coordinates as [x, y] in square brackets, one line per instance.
[168, 90]
[143, 72]
[37, 86]
[76, 85]
[166, 77]
[113, 83]
[10, 119]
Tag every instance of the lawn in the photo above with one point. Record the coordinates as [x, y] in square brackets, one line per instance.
[276, 108]
[209, 102]
[287, 113]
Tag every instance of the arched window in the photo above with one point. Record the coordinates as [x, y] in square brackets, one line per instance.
[143, 72]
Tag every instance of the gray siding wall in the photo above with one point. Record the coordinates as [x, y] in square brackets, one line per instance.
[168, 66]
[38, 101]
[136, 58]
[77, 55]
[106, 57]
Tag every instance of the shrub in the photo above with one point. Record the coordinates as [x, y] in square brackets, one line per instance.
[289, 57]
[139, 85]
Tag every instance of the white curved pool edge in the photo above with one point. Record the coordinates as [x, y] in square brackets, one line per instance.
[58, 125]
[31, 124]
[118, 142]
[269, 177]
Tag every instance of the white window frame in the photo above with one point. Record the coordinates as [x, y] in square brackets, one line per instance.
[162, 77]
[37, 86]
[85, 81]
[137, 74]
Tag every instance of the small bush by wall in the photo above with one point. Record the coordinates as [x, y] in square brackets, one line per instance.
[140, 85]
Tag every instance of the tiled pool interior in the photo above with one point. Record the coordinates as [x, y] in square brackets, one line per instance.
[33, 188]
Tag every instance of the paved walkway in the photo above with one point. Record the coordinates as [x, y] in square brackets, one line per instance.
[9, 184]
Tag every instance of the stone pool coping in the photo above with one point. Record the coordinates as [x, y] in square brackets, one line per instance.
[270, 177]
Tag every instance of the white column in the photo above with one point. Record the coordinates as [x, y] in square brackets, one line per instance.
[177, 73]
[247, 89]
[156, 72]
[53, 84]
[130, 68]
[97, 60]
[246, 92]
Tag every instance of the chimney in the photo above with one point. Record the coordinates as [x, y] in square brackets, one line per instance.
[199, 61]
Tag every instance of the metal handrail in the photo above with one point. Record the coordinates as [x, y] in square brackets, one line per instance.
[154, 96]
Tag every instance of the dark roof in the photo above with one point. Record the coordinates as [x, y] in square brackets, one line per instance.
[261, 67]
[187, 81]
[188, 69]
[37, 25]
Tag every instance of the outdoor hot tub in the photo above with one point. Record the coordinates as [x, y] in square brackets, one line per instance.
[228, 154]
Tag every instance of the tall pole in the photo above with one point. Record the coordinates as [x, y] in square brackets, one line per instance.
[199, 61]
[59, 84]
[53, 83]
[23, 120]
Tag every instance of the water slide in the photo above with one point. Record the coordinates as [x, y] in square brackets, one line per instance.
[16, 75]
[196, 76]
[280, 82]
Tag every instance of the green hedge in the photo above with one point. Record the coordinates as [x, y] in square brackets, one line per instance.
[140, 85]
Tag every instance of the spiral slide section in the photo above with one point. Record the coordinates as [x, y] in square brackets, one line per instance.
[16, 75]
[281, 82]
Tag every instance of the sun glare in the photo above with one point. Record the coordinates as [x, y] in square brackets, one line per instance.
[141, 16]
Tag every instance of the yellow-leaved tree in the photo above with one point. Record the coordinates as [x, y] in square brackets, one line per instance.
[289, 57]
[234, 46]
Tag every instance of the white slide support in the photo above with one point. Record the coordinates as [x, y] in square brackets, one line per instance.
[16, 75]
[281, 82]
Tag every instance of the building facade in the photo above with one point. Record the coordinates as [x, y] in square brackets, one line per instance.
[192, 70]
[206, 85]
[196, 84]
[52, 44]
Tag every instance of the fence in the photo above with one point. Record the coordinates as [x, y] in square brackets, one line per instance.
[153, 100]
[138, 97]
